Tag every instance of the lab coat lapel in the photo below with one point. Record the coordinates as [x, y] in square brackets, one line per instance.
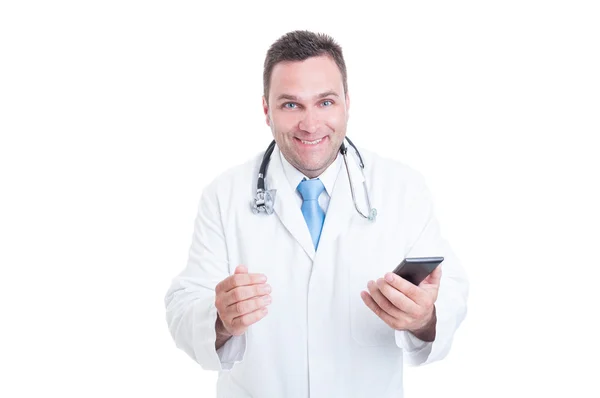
[286, 206]
[341, 207]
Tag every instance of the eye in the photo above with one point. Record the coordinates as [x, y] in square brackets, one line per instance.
[327, 103]
[290, 105]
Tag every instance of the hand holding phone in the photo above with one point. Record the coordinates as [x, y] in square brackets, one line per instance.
[416, 269]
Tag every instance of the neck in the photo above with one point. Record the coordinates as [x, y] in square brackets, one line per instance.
[316, 173]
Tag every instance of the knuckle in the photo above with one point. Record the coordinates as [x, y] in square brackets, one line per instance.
[239, 307]
[378, 310]
[375, 300]
[387, 307]
[238, 294]
[218, 302]
[258, 303]
[371, 288]
[258, 289]
[389, 322]
[246, 320]
[392, 323]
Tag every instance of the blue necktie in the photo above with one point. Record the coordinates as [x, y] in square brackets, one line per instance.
[312, 212]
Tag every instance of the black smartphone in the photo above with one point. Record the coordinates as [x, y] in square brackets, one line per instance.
[415, 269]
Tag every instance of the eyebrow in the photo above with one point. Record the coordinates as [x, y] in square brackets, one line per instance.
[329, 93]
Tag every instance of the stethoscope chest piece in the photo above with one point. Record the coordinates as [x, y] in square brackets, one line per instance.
[264, 201]
[372, 215]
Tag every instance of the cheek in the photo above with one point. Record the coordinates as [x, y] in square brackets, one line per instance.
[283, 123]
[337, 120]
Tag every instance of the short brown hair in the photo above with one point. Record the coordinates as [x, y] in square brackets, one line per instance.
[298, 46]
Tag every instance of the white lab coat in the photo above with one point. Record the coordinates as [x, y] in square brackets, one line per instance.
[319, 339]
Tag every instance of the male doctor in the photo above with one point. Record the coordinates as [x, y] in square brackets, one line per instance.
[302, 302]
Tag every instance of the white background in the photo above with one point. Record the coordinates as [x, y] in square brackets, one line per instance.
[114, 115]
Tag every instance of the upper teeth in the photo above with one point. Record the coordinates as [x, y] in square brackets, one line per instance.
[312, 142]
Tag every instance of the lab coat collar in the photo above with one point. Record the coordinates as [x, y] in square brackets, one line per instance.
[328, 177]
[341, 209]
[339, 213]
[285, 204]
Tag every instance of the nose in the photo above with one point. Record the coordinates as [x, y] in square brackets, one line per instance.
[309, 122]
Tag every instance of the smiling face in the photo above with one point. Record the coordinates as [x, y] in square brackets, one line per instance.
[307, 111]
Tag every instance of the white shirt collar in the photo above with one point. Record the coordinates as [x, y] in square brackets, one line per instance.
[328, 177]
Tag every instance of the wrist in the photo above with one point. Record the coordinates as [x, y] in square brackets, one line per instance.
[427, 331]
[222, 334]
[220, 328]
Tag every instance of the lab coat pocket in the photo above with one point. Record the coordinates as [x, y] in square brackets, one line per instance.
[366, 327]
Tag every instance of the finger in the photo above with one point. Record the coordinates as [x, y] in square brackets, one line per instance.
[247, 306]
[239, 279]
[411, 291]
[242, 293]
[382, 301]
[398, 299]
[241, 269]
[248, 319]
[384, 316]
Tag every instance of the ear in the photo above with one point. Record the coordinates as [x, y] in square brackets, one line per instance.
[347, 106]
[266, 111]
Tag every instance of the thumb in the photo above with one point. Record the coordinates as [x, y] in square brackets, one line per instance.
[434, 277]
[241, 269]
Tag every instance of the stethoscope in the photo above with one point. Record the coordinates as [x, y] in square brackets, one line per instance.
[264, 200]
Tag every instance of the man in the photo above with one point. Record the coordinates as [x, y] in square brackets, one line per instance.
[302, 302]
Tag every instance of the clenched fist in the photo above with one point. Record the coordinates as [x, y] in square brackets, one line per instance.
[241, 300]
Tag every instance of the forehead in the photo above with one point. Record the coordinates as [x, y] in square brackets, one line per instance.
[311, 76]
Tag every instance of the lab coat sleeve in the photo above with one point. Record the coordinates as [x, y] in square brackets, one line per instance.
[190, 301]
[451, 303]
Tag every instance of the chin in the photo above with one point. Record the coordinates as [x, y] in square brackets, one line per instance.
[312, 167]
